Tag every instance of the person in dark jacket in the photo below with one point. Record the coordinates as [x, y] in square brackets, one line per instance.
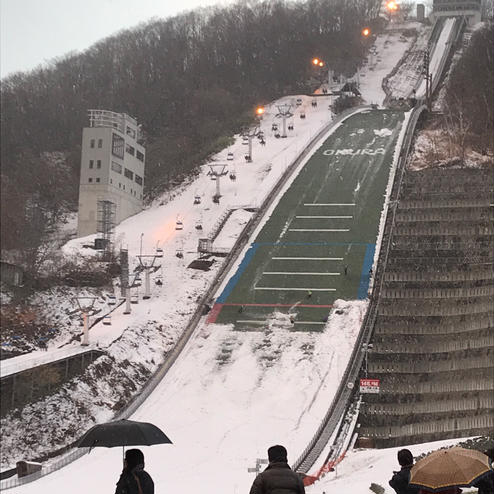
[486, 484]
[399, 481]
[134, 479]
[278, 478]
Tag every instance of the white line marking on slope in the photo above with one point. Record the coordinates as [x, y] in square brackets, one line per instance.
[328, 217]
[308, 258]
[329, 204]
[301, 274]
[287, 289]
[319, 230]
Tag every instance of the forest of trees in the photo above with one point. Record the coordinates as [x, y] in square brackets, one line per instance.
[470, 92]
[190, 80]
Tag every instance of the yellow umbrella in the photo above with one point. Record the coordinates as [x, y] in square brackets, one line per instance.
[454, 467]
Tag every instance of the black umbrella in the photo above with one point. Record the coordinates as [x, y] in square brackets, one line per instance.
[123, 433]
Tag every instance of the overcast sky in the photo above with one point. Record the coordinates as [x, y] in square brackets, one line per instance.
[33, 32]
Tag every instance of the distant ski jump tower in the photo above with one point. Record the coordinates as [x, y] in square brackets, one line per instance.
[112, 170]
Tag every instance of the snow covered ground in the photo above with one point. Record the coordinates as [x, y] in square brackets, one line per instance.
[230, 395]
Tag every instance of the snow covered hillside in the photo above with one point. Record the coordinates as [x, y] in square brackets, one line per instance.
[230, 394]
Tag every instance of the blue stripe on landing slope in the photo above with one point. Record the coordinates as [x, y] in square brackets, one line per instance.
[234, 279]
[365, 275]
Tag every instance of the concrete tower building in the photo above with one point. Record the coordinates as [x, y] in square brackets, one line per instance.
[112, 169]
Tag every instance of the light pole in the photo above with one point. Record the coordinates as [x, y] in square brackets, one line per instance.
[365, 348]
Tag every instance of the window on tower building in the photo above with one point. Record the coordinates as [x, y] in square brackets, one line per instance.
[117, 146]
[116, 167]
[91, 163]
[100, 143]
[129, 149]
[140, 156]
[128, 174]
[91, 143]
[98, 164]
[97, 179]
[89, 179]
[138, 179]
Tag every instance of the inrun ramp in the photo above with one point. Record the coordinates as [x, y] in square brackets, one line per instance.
[318, 243]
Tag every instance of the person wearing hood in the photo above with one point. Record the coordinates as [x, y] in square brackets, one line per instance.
[399, 481]
[278, 478]
[134, 479]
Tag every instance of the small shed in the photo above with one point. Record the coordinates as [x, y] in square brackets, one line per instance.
[11, 274]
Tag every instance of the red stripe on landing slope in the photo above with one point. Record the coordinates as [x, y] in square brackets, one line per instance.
[279, 305]
[213, 315]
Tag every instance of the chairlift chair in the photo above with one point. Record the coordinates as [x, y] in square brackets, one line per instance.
[179, 225]
[299, 101]
[302, 115]
[216, 199]
[233, 177]
[229, 157]
[290, 126]
[274, 126]
[179, 254]
[314, 102]
[248, 158]
[107, 320]
[134, 299]
[197, 199]
[112, 300]
[159, 252]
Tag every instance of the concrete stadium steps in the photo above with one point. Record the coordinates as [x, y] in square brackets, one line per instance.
[467, 214]
[442, 293]
[381, 341]
[432, 274]
[469, 403]
[425, 348]
[438, 307]
[441, 382]
[444, 255]
[433, 339]
[388, 436]
[475, 199]
[419, 367]
[444, 228]
[433, 325]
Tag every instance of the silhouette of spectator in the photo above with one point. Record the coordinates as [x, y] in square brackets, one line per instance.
[399, 481]
[278, 476]
[134, 479]
[486, 484]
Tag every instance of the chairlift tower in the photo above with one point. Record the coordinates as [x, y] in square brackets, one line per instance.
[147, 262]
[284, 112]
[217, 171]
[85, 304]
[250, 134]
